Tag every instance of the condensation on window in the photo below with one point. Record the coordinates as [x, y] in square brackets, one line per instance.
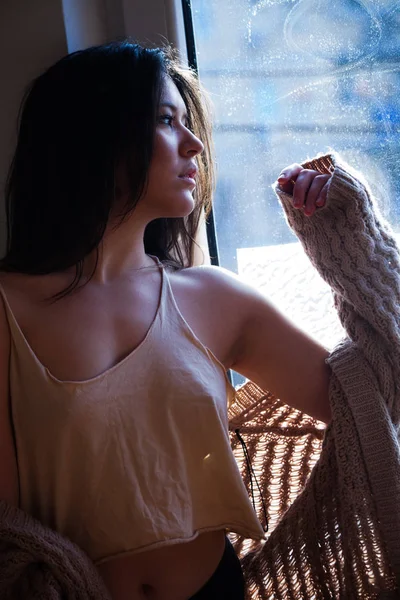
[290, 79]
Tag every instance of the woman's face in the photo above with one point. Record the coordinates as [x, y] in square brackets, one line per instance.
[172, 173]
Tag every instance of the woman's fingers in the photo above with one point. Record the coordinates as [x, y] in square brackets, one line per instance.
[288, 176]
[303, 184]
[309, 188]
[315, 198]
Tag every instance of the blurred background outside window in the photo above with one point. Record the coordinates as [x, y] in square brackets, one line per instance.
[290, 79]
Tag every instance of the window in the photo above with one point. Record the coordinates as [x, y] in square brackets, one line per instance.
[288, 80]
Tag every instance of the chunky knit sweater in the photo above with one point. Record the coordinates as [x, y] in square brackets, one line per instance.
[340, 538]
[332, 496]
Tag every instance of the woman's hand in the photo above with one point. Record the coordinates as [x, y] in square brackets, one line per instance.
[309, 188]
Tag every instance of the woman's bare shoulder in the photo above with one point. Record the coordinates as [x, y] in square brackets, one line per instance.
[207, 276]
[224, 292]
[226, 287]
[15, 283]
[30, 288]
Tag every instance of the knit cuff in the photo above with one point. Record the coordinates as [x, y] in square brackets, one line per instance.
[345, 185]
[324, 163]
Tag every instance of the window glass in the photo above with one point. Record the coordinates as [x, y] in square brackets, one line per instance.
[288, 80]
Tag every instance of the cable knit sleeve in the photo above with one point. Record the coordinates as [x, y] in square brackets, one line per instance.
[354, 250]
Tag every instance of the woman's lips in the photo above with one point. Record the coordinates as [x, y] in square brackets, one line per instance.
[188, 179]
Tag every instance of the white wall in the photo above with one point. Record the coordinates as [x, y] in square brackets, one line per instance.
[32, 36]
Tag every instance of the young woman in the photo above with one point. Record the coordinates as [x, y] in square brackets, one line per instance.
[114, 348]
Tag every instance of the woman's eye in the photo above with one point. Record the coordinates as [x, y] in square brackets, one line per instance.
[170, 120]
[166, 119]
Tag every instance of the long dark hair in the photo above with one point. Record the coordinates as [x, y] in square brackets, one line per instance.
[92, 110]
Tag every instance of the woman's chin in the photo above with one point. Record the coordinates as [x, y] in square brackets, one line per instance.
[181, 207]
[173, 207]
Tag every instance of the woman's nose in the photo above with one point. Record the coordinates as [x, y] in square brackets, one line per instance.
[193, 145]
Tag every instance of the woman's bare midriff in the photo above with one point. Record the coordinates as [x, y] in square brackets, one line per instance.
[173, 572]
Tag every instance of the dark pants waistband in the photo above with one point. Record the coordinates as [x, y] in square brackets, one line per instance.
[227, 581]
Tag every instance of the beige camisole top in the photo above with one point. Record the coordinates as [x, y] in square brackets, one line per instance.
[137, 457]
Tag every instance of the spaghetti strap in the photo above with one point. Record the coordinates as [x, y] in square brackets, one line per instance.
[12, 321]
[19, 341]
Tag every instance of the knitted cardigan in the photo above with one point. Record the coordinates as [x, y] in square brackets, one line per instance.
[331, 496]
[340, 537]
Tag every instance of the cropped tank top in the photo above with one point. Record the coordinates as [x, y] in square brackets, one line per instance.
[137, 457]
